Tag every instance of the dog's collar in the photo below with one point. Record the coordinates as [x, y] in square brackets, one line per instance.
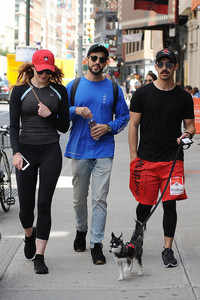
[130, 246]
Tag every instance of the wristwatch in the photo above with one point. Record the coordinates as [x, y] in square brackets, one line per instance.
[109, 128]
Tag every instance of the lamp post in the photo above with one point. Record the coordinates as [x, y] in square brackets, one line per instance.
[80, 40]
[27, 21]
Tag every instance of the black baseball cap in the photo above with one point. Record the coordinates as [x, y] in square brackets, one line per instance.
[96, 48]
[166, 53]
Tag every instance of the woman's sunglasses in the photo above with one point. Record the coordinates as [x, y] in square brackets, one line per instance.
[148, 80]
[48, 72]
[101, 59]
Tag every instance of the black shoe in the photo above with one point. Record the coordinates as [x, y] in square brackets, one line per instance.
[30, 247]
[97, 255]
[168, 258]
[39, 265]
[79, 242]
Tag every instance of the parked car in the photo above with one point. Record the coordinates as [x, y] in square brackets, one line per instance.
[4, 90]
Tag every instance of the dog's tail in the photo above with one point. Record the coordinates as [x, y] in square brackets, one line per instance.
[138, 233]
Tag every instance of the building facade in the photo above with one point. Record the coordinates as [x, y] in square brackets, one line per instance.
[7, 25]
[190, 42]
[179, 30]
[147, 30]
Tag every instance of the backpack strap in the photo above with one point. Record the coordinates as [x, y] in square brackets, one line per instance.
[115, 94]
[73, 90]
[75, 86]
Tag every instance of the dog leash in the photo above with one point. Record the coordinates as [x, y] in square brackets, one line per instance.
[161, 196]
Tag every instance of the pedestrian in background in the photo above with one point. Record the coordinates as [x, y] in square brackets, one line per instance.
[39, 102]
[188, 89]
[139, 82]
[195, 92]
[150, 77]
[92, 150]
[158, 109]
[116, 75]
[127, 84]
[127, 87]
[132, 83]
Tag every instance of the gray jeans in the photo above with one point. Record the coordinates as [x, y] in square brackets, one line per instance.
[100, 169]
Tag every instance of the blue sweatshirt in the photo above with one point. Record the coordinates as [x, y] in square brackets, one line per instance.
[98, 97]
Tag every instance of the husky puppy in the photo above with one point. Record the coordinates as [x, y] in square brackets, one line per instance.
[126, 253]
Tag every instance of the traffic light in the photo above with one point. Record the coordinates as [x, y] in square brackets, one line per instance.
[89, 31]
[90, 38]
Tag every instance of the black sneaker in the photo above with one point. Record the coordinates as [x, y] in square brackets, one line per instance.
[168, 258]
[30, 247]
[39, 265]
[79, 242]
[97, 255]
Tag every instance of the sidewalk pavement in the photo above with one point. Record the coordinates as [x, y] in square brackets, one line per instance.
[73, 275]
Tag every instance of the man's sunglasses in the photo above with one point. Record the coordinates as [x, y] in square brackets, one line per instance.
[101, 59]
[168, 65]
[48, 72]
[148, 80]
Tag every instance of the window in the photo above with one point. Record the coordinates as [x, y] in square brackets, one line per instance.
[16, 34]
[16, 7]
[132, 47]
[16, 21]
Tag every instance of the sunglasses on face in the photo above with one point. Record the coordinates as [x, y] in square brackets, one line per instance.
[48, 72]
[168, 65]
[148, 80]
[101, 59]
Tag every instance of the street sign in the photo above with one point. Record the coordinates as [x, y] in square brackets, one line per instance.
[25, 53]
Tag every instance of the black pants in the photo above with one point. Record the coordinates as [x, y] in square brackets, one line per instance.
[47, 159]
[169, 216]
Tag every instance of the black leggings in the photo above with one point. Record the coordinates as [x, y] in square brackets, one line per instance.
[169, 216]
[48, 160]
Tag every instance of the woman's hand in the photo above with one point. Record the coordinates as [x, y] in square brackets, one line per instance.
[17, 161]
[43, 110]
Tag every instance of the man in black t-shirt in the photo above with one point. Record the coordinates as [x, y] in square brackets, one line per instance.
[159, 109]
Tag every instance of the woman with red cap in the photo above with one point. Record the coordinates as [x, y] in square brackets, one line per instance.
[39, 104]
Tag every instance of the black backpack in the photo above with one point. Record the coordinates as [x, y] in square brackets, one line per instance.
[75, 86]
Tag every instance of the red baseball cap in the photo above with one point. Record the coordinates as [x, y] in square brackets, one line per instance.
[43, 60]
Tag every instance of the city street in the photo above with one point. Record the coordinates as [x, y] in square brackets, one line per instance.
[72, 275]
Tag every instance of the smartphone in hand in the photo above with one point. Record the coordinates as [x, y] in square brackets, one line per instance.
[26, 164]
[186, 141]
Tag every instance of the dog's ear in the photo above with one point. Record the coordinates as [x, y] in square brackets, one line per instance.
[112, 235]
[121, 236]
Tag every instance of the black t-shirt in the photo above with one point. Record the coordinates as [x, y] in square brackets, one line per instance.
[162, 115]
[36, 130]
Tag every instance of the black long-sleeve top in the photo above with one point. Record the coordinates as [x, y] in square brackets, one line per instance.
[36, 130]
